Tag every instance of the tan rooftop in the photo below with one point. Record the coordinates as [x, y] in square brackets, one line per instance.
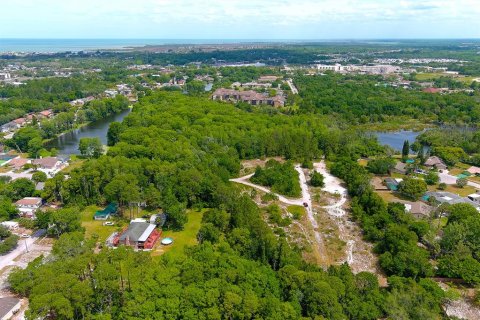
[47, 162]
[29, 201]
[18, 162]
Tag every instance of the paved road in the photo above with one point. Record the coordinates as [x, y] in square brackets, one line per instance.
[292, 86]
[23, 244]
[15, 176]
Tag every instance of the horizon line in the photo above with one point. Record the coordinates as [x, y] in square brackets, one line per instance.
[237, 39]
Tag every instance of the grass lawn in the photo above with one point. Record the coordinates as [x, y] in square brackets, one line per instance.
[96, 227]
[463, 192]
[188, 236]
[388, 196]
[427, 76]
[73, 164]
[432, 76]
[396, 175]
[474, 179]
[455, 171]
[462, 166]
[440, 222]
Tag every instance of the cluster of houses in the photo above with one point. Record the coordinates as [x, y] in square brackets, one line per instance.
[432, 162]
[21, 122]
[254, 98]
[82, 101]
[424, 207]
[49, 165]
[121, 89]
[374, 69]
[251, 97]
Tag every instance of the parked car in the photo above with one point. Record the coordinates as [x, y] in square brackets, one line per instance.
[24, 235]
[108, 223]
[305, 204]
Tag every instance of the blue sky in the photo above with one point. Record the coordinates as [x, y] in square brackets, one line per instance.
[240, 19]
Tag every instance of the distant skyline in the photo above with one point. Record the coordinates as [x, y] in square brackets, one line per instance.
[240, 19]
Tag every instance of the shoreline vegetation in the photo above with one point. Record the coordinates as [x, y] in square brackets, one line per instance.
[81, 125]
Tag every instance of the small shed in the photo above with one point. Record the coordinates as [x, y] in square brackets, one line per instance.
[104, 214]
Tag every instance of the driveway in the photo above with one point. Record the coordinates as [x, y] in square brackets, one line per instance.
[447, 178]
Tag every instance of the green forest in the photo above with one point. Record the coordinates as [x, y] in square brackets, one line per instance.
[178, 152]
[360, 99]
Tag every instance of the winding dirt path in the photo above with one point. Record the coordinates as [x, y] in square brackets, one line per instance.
[357, 253]
[245, 181]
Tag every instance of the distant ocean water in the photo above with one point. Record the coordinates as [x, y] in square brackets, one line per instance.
[62, 45]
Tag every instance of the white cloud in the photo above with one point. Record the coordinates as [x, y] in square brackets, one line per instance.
[125, 16]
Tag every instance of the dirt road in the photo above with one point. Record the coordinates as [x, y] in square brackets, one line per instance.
[245, 181]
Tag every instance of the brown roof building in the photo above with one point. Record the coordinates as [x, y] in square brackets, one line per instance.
[17, 163]
[251, 97]
[435, 162]
[267, 79]
[46, 163]
[20, 121]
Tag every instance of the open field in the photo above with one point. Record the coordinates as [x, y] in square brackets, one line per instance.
[94, 227]
[463, 192]
[388, 196]
[432, 76]
[186, 237]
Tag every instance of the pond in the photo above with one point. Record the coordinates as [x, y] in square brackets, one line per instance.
[396, 139]
[67, 143]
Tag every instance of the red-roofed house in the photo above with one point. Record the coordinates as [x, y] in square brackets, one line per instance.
[20, 122]
[46, 113]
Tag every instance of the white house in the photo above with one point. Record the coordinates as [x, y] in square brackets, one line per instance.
[28, 206]
[49, 165]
